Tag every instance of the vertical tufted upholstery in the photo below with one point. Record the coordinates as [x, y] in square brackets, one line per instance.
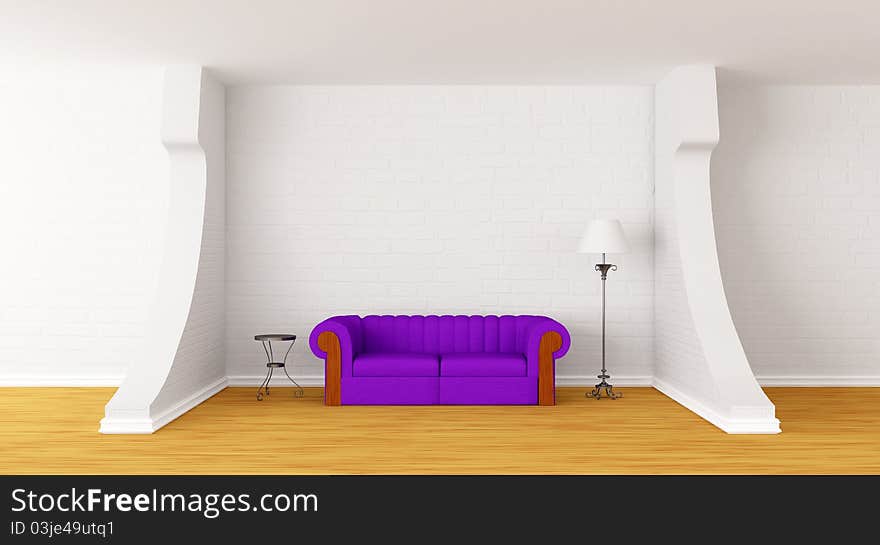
[438, 334]
[445, 334]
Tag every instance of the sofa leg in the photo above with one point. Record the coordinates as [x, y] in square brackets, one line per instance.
[329, 343]
[550, 343]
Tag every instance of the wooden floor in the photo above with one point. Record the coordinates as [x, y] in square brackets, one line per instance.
[55, 430]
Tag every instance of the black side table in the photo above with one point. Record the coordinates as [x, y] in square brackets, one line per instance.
[266, 340]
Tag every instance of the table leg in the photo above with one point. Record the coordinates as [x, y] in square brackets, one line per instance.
[299, 392]
[264, 384]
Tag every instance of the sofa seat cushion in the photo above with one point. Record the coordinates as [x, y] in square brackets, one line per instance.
[482, 364]
[384, 364]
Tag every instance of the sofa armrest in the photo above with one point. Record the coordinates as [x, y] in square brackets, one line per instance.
[536, 331]
[337, 341]
[546, 341]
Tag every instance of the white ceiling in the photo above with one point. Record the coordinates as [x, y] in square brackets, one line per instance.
[458, 41]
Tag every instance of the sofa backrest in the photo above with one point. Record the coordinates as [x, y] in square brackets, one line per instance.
[444, 334]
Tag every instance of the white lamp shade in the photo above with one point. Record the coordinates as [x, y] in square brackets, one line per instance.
[604, 237]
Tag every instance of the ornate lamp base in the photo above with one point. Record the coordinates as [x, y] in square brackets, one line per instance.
[608, 388]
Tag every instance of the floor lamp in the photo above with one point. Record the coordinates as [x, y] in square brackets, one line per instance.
[604, 237]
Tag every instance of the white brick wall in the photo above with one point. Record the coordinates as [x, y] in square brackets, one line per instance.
[436, 199]
[83, 197]
[796, 182]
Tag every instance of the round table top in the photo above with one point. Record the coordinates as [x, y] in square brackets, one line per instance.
[275, 337]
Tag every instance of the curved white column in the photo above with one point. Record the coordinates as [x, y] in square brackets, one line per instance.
[182, 361]
[699, 361]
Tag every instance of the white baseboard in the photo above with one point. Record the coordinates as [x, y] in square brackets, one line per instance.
[188, 403]
[277, 382]
[588, 381]
[819, 380]
[127, 425]
[61, 381]
[726, 424]
[581, 381]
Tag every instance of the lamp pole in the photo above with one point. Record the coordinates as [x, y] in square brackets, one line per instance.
[603, 268]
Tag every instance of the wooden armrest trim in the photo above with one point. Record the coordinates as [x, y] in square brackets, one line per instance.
[550, 343]
[329, 343]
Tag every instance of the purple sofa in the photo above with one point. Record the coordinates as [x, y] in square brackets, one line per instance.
[450, 360]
